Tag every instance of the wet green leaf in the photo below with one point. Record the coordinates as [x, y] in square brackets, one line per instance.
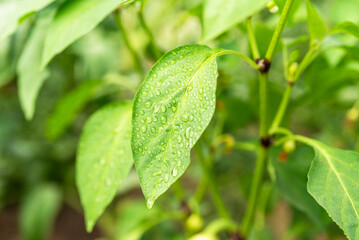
[317, 28]
[31, 77]
[172, 108]
[73, 20]
[348, 28]
[333, 182]
[220, 16]
[104, 158]
[11, 12]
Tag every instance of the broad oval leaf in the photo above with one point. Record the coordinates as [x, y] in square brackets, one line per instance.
[73, 20]
[333, 182]
[104, 158]
[172, 108]
[317, 28]
[220, 16]
[11, 12]
[348, 28]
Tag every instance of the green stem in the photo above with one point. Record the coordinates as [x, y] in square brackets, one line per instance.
[279, 29]
[305, 62]
[149, 34]
[255, 186]
[244, 57]
[281, 110]
[263, 99]
[136, 58]
[218, 202]
[252, 39]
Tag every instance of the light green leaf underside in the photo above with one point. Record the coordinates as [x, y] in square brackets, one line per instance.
[333, 182]
[317, 28]
[220, 16]
[30, 76]
[73, 20]
[67, 108]
[172, 108]
[348, 28]
[104, 158]
[11, 12]
[38, 212]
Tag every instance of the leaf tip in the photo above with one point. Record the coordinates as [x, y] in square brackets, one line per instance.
[149, 203]
[89, 225]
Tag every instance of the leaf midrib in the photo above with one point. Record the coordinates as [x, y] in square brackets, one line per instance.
[176, 114]
[328, 158]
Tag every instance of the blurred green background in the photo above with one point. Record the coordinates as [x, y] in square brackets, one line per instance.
[37, 185]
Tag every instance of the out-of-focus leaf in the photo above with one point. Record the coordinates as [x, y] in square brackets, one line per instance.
[73, 20]
[348, 28]
[172, 108]
[11, 12]
[317, 28]
[38, 212]
[294, 9]
[220, 16]
[333, 182]
[104, 158]
[31, 77]
[291, 180]
[68, 106]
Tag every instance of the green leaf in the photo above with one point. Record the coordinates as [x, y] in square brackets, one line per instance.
[291, 180]
[73, 20]
[104, 158]
[67, 108]
[172, 108]
[333, 182]
[30, 76]
[317, 28]
[348, 28]
[220, 16]
[11, 12]
[38, 212]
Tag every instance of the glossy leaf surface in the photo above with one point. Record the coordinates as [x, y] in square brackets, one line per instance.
[104, 158]
[172, 108]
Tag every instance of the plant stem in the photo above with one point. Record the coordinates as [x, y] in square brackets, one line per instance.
[252, 39]
[263, 98]
[149, 34]
[136, 58]
[279, 29]
[255, 186]
[244, 57]
[218, 202]
[281, 110]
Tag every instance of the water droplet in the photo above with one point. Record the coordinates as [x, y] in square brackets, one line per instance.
[148, 104]
[163, 108]
[179, 139]
[155, 75]
[190, 88]
[158, 92]
[179, 153]
[143, 129]
[167, 177]
[174, 172]
[144, 93]
[174, 109]
[149, 203]
[156, 174]
[190, 117]
[102, 161]
[188, 132]
[163, 119]
[184, 117]
[153, 129]
[148, 119]
[142, 112]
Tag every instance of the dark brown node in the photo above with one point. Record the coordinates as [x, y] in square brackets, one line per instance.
[264, 65]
